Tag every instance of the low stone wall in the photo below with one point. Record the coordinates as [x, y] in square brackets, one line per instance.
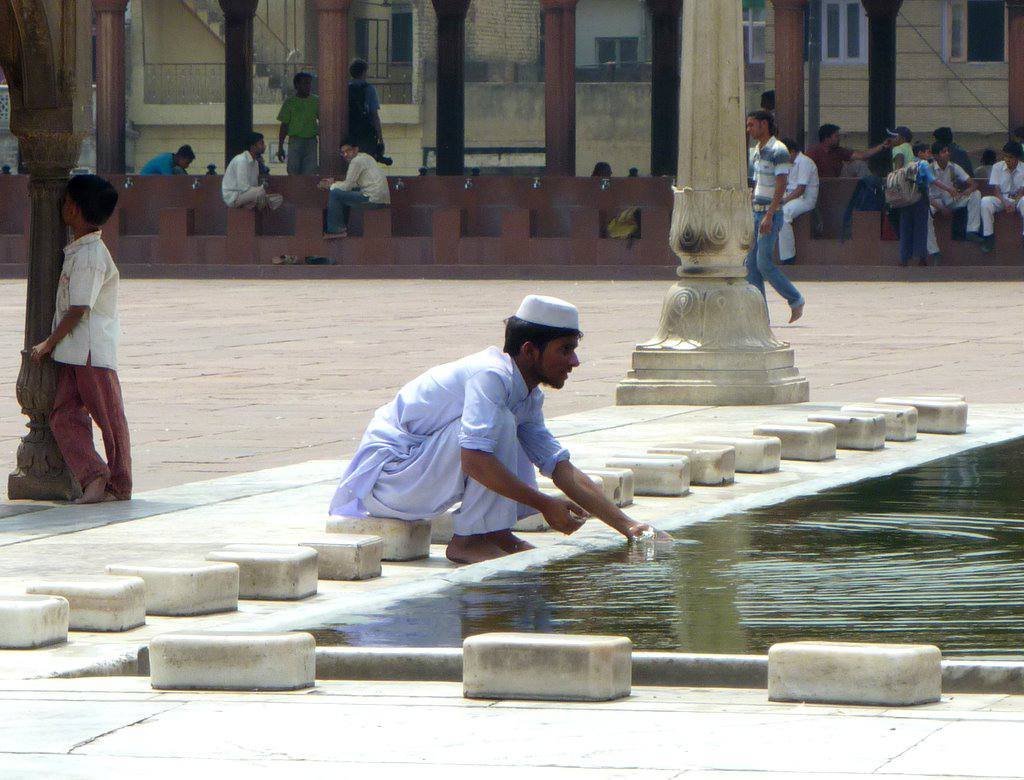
[492, 226]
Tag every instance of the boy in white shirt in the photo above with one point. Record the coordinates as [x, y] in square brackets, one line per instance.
[83, 344]
[801, 196]
[1007, 184]
[365, 187]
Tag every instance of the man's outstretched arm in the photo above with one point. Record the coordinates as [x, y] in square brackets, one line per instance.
[561, 514]
[582, 489]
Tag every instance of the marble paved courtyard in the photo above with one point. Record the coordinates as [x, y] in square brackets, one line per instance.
[225, 377]
[245, 397]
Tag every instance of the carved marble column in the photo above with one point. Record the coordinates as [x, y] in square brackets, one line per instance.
[1015, 57]
[789, 67]
[332, 82]
[40, 472]
[110, 85]
[881, 66]
[714, 344]
[665, 48]
[238, 64]
[451, 86]
[560, 86]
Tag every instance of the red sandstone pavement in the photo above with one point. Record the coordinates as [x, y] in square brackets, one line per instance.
[223, 376]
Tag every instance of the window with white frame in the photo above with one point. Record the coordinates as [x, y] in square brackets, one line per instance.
[844, 32]
[753, 34]
[975, 30]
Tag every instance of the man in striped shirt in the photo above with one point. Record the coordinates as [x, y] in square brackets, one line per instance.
[772, 165]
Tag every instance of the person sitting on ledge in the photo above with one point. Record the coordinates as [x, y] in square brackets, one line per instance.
[170, 163]
[471, 432]
[241, 187]
[364, 187]
[1006, 182]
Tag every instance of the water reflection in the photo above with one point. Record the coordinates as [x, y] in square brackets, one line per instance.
[934, 554]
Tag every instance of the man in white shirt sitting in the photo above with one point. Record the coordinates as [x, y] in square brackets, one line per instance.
[1007, 184]
[957, 179]
[241, 188]
[365, 187]
[801, 196]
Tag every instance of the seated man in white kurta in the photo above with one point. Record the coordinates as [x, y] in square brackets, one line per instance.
[471, 432]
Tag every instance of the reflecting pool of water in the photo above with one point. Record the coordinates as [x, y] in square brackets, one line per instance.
[934, 554]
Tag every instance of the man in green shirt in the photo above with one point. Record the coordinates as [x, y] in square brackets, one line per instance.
[902, 151]
[299, 118]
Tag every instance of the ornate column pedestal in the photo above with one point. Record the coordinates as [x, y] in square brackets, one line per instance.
[332, 69]
[714, 345]
[40, 472]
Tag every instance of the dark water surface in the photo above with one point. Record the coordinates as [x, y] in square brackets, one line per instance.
[934, 554]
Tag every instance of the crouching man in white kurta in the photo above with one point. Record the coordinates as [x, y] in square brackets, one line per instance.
[470, 433]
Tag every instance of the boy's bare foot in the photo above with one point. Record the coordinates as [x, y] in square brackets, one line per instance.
[472, 549]
[95, 492]
[508, 541]
[796, 312]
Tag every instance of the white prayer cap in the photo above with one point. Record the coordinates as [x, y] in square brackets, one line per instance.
[552, 312]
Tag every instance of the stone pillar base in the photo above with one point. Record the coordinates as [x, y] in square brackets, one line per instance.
[713, 347]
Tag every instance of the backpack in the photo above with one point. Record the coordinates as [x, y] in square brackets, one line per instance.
[625, 225]
[901, 188]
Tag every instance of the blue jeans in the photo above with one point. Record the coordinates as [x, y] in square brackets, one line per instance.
[761, 263]
[340, 203]
[914, 231]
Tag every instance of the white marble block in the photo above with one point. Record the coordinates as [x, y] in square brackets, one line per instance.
[802, 441]
[545, 485]
[404, 540]
[442, 528]
[272, 572]
[900, 421]
[28, 622]
[710, 464]
[185, 590]
[553, 667]
[99, 603]
[855, 431]
[656, 476]
[754, 454]
[624, 477]
[232, 661]
[854, 673]
[934, 415]
[346, 556]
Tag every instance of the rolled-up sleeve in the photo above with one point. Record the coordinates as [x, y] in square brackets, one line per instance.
[485, 403]
[541, 447]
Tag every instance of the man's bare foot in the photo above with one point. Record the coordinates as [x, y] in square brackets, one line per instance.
[95, 492]
[796, 312]
[472, 549]
[508, 541]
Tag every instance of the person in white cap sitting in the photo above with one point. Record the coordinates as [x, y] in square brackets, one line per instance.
[471, 432]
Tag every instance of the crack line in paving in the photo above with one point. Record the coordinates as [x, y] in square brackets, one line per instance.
[906, 750]
[89, 741]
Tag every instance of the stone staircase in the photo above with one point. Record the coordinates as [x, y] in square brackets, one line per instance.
[273, 73]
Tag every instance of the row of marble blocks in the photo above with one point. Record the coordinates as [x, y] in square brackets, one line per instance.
[401, 540]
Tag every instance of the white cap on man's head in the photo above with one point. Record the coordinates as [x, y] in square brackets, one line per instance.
[552, 312]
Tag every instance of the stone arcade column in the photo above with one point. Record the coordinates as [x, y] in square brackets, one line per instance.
[110, 85]
[560, 86]
[40, 472]
[714, 345]
[789, 67]
[1015, 48]
[451, 86]
[665, 40]
[881, 66]
[332, 84]
[238, 64]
